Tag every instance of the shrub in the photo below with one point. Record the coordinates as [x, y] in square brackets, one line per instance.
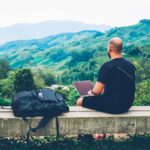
[134, 142]
[24, 81]
[4, 68]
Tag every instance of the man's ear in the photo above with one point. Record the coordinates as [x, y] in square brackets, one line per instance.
[110, 49]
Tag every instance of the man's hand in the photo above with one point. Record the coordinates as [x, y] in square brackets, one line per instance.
[90, 93]
[98, 88]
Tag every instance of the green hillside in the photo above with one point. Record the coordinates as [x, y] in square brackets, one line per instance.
[138, 34]
[57, 51]
[47, 51]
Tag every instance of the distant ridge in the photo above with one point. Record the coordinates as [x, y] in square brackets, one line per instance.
[40, 30]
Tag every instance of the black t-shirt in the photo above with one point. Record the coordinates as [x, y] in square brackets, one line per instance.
[118, 76]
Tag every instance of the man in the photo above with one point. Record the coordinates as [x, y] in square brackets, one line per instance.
[115, 86]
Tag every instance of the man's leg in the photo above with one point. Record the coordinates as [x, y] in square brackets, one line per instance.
[91, 102]
[97, 103]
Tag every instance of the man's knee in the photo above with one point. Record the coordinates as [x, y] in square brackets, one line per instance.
[79, 101]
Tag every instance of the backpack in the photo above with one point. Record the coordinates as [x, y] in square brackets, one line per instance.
[45, 102]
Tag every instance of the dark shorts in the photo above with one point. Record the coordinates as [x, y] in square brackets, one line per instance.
[100, 103]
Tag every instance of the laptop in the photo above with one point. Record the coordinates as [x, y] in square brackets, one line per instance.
[83, 87]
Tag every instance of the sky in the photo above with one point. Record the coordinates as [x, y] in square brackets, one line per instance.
[110, 12]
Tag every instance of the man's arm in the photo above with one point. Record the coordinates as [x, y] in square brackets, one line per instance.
[98, 89]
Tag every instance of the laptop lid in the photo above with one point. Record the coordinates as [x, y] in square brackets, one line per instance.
[83, 87]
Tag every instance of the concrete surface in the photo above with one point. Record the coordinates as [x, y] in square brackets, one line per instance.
[80, 120]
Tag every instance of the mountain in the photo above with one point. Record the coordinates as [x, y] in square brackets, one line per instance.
[57, 50]
[47, 51]
[43, 29]
[138, 34]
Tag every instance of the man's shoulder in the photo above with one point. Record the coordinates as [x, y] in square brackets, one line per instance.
[113, 63]
[129, 63]
[106, 65]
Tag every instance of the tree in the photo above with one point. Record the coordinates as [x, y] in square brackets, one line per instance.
[146, 21]
[4, 68]
[142, 96]
[133, 50]
[43, 77]
[49, 79]
[6, 85]
[24, 81]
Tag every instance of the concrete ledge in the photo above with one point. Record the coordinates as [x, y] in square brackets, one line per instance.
[80, 120]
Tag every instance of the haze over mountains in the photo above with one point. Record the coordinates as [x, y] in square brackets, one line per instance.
[43, 29]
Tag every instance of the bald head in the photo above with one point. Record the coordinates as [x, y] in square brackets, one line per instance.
[115, 44]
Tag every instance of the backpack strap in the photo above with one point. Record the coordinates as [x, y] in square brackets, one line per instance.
[57, 129]
[122, 70]
[43, 122]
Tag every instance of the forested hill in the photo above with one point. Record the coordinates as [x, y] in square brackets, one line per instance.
[57, 50]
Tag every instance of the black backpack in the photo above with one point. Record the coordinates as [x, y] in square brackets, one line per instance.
[46, 102]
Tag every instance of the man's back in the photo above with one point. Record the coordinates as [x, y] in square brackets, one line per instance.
[118, 75]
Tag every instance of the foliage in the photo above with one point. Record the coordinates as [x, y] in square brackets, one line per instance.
[53, 55]
[142, 69]
[71, 95]
[24, 81]
[86, 71]
[43, 77]
[133, 50]
[133, 142]
[77, 56]
[5, 102]
[142, 96]
[4, 68]
[6, 85]
[147, 21]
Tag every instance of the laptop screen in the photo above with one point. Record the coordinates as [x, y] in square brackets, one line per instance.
[83, 87]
